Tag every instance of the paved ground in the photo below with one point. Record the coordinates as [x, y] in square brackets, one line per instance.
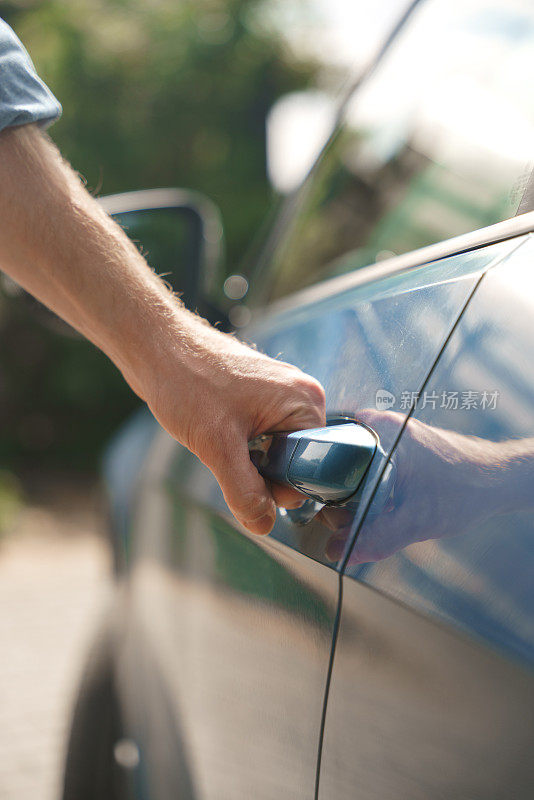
[53, 587]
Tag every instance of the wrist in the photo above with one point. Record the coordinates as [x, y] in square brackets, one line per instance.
[140, 342]
[175, 356]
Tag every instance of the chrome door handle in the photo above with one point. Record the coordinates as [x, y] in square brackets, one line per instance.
[327, 464]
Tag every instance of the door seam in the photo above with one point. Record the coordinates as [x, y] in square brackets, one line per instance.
[335, 632]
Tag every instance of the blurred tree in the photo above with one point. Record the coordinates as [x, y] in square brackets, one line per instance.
[155, 93]
[164, 92]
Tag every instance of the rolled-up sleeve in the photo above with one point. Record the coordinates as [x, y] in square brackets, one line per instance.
[24, 98]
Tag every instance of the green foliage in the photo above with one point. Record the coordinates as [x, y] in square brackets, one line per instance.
[163, 93]
[60, 398]
[155, 93]
[11, 500]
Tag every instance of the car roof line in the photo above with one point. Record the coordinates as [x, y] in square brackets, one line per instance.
[492, 234]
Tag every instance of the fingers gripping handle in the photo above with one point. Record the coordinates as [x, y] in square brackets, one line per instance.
[327, 464]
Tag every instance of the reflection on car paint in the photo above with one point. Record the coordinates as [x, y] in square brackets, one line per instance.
[385, 335]
[416, 709]
[417, 712]
[459, 543]
[215, 611]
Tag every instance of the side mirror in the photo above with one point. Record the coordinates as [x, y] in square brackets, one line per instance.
[180, 234]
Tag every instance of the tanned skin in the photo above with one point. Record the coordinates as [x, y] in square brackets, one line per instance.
[210, 391]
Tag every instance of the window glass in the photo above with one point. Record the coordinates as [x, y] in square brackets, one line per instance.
[438, 142]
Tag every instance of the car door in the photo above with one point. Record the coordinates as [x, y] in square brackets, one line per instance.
[432, 688]
[229, 638]
[226, 649]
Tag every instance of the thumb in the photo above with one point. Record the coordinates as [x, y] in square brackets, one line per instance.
[245, 491]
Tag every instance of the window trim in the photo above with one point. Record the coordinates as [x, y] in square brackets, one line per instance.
[465, 242]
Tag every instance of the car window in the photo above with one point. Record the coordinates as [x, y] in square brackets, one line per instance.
[457, 542]
[438, 142]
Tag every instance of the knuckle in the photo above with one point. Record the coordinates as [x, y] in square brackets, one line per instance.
[314, 396]
[317, 392]
[306, 384]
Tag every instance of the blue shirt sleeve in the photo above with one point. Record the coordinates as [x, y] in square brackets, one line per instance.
[24, 98]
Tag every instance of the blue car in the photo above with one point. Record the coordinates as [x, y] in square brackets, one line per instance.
[379, 644]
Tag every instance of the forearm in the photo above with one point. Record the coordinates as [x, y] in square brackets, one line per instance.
[58, 243]
[207, 389]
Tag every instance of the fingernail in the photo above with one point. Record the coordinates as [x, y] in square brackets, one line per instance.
[294, 504]
[265, 524]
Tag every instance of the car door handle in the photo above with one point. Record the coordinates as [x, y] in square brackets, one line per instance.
[326, 464]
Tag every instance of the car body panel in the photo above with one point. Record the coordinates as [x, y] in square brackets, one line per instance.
[236, 631]
[381, 337]
[416, 711]
[476, 574]
[432, 690]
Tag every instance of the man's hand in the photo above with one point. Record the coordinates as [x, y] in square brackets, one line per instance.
[221, 394]
[209, 391]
